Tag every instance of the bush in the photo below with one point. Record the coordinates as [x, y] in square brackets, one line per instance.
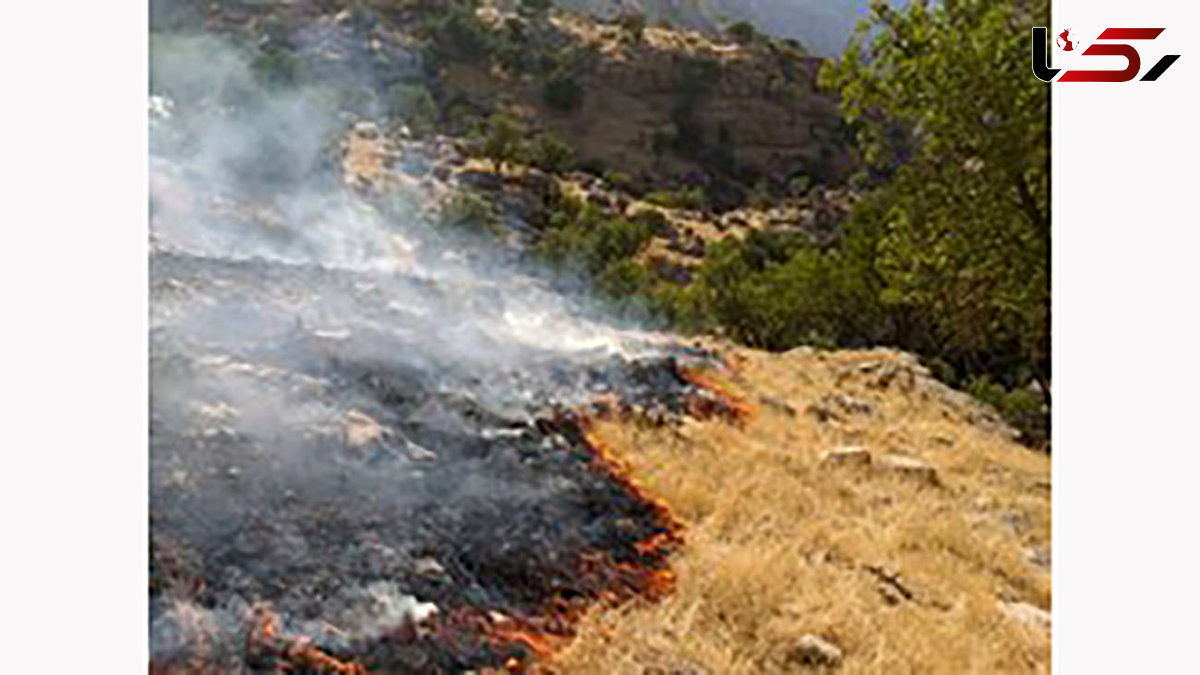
[549, 153]
[775, 291]
[1022, 407]
[278, 68]
[468, 211]
[742, 32]
[458, 33]
[502, 139]
[633, 23]
[693, 198]
[415, 105]
[583, 238]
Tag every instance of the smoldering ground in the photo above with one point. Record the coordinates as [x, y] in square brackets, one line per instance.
[349, 409]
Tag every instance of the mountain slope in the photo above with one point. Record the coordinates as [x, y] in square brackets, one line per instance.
[922, 547]
[822, 27]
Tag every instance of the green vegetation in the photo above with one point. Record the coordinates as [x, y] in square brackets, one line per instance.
[457, 33]
[504, 139]
[563, 90]
[583, 238]
[469, 212]
[742, 32]
[549, 153]
[962, 221]
[633, 23]
[945, 253]
[691, 198]
[278, 68]
[416, 106]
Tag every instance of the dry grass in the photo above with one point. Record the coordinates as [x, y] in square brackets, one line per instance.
[779, 545]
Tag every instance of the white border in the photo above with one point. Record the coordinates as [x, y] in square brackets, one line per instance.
[1126, 452]
[73, 266]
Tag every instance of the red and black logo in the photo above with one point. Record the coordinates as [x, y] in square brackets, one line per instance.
[1066, 42]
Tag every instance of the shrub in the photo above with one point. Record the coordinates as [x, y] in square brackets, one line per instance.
[468, 211]
[278, 68]
[633, 23]
[799, 185]
[549, 153]
[458, 33]
[760, 196]
[415, 105]
[743, 32]
[599, 245]
[502, 139]
[693, 198]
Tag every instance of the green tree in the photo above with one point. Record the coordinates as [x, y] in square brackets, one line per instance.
[941, 99]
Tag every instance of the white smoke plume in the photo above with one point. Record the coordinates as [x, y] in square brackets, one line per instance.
[328, 371]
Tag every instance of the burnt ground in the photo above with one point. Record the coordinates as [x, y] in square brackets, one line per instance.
[330, 475]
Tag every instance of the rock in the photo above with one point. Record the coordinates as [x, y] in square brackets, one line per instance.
[361, 430]
[1028, 615]
[890, 594]
[835, 407]
[814, 651]
[677, 670]
[847, 456]
[1039, 556]
[418, 453]
[428, 567]
[217, 413]
[909, 467]
[366, 129]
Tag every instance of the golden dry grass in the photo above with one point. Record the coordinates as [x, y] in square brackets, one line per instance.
[779, 545]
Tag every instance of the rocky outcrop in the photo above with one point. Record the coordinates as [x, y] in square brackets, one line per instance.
[665, 105]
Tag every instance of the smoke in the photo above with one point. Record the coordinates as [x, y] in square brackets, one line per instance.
[339, 390]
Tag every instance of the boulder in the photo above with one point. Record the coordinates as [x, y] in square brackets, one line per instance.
[846, 456]
[814, 651]
[361, 430]
[908, 467]
[1030, 616]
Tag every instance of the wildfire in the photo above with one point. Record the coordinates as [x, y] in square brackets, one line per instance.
[290, 653]
[648, 575]
[633, 563]
[716, 402]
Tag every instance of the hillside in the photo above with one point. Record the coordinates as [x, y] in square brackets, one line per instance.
[823, 27]
[491, 336]
[862, 503]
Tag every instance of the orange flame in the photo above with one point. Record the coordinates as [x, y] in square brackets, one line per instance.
[613, 581]
[722, 404]
[297, 652]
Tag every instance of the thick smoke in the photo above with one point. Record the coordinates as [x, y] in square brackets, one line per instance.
[339, 392]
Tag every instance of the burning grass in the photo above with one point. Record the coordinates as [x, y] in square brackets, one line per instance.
[903, 575]
[267, 562]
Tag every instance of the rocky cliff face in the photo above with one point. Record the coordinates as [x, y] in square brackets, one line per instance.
[672, 107]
